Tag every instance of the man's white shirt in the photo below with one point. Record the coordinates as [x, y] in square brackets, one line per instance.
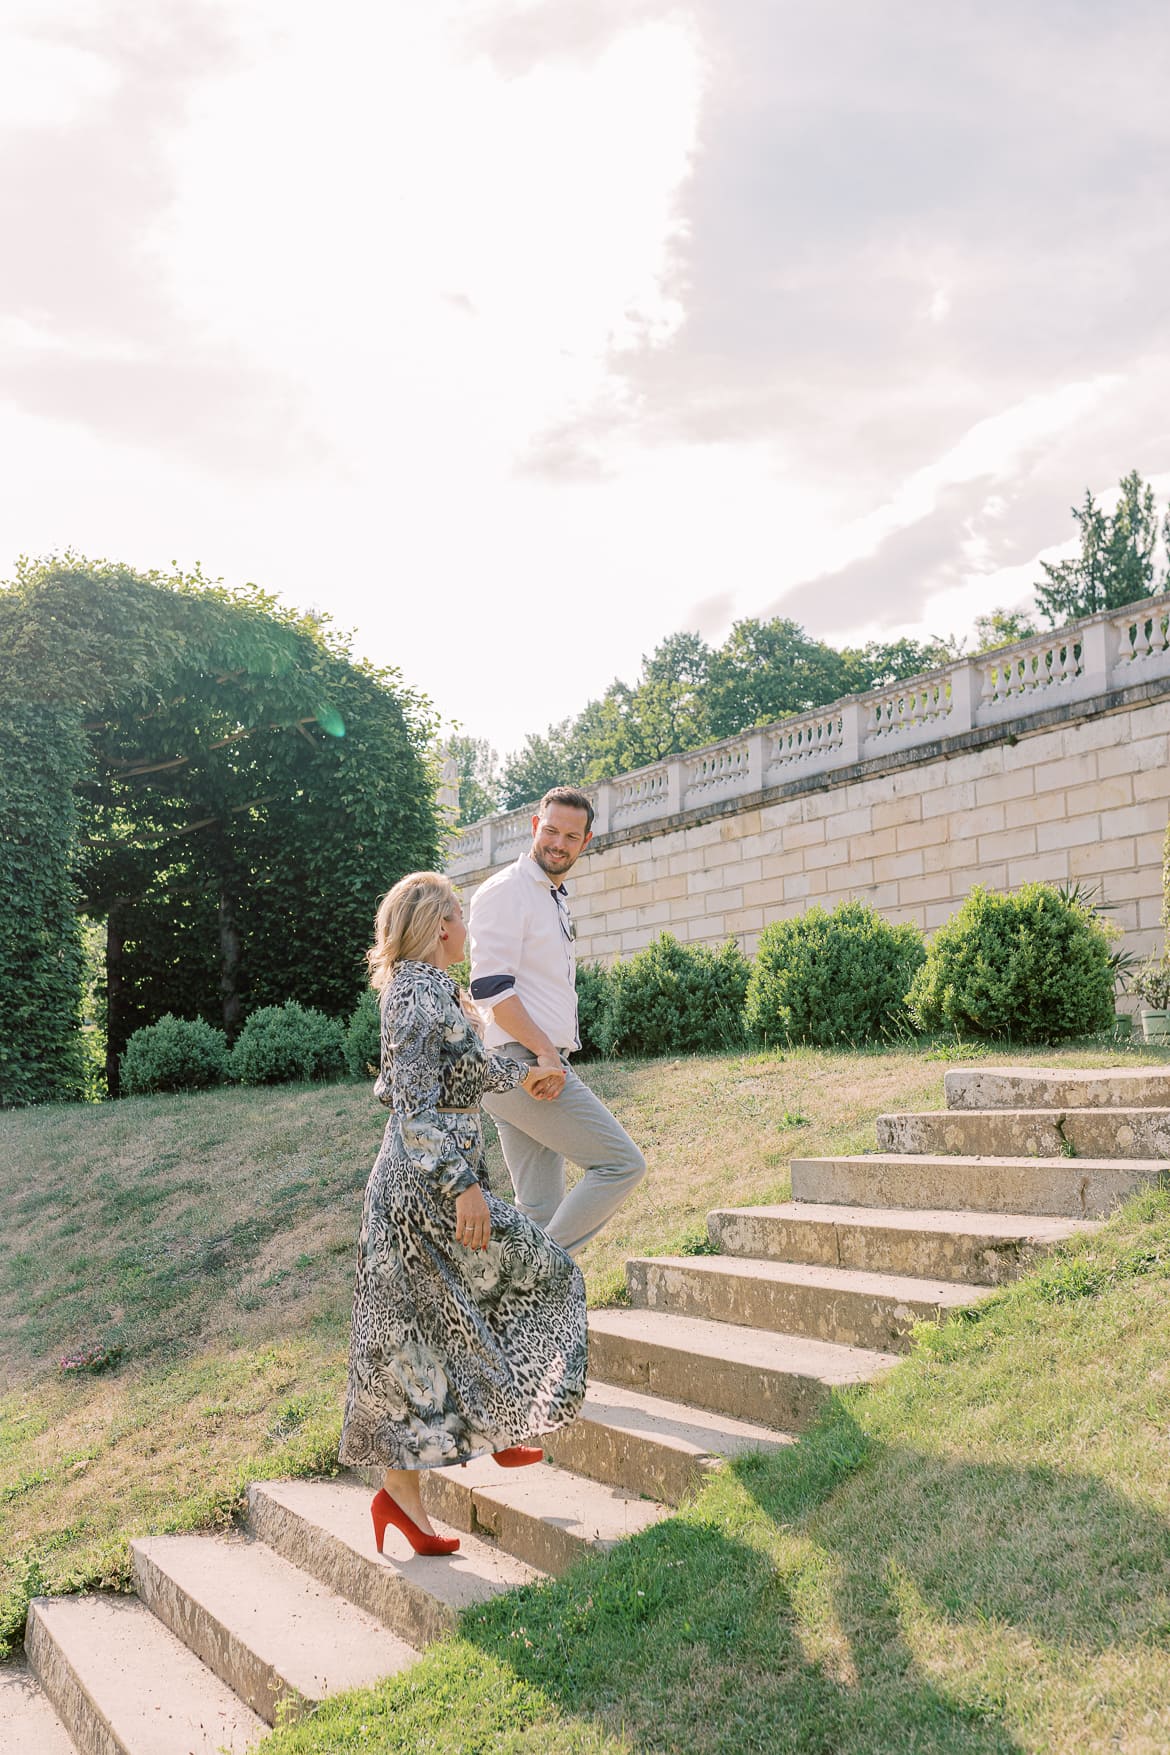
[522, 947]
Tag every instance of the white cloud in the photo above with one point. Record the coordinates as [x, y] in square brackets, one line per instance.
[45, 84]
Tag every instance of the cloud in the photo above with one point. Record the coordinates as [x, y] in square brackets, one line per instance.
[900, 221]
[89, 333]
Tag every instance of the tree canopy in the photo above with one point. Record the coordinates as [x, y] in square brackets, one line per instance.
[211, 774]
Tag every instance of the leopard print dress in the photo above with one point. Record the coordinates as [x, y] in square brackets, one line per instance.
[453, 1352]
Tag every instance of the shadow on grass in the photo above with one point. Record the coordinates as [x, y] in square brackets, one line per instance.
[755, 1623]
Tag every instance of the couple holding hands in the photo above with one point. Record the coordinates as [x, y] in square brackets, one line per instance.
[468, 1331]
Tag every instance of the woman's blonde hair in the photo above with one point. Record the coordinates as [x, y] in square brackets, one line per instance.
[407, 922]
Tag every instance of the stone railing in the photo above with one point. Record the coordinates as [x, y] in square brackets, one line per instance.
[1081, 662]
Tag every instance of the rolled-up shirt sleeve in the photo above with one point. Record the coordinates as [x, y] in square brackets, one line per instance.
[497, 940]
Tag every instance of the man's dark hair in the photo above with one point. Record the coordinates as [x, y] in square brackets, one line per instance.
[574, 799]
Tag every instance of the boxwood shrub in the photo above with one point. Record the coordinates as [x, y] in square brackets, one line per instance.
[174, 1054]
[594, 1009]
[830, 978]
[1033, 966]
[672, 998]
[280, 1043]
[363, 1037]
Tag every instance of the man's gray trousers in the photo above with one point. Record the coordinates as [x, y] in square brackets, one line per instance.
[538, 1136]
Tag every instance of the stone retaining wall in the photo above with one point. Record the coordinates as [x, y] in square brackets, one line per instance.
[1072, 786]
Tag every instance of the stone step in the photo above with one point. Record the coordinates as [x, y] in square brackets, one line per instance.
[851, 1306]
[272, 1632]
[1037, 1087]
[124, 1685]
[543, 1515]
[324, 1527]
[662, 1449]
[976, 1249]
[1076, 1188]
[1030, 1133]
[775, 1380]
[28, 1723]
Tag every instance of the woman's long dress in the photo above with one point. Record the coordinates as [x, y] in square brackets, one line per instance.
[453, 1351]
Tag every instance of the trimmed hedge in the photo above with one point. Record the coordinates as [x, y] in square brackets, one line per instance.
[280, 1043]
[832, 978]
[176, 1054]
[672, 998]
[1033, 966]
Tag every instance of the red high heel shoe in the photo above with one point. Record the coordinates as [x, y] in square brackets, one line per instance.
[517, 1456]
[385, 1510]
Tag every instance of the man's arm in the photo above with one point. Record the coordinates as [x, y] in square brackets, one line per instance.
[511, 1014]
[497, 936]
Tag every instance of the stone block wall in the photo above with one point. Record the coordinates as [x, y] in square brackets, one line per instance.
[1086, 799]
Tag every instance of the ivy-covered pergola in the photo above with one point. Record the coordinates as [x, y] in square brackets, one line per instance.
[213, 776]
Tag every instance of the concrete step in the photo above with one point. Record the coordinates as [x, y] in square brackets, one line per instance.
[975, 1249]
[270, 1631]
[124, 1685]
[1076, 1188]
[1031, 1133]
[747, 1373]
[850, 1306]
[544, 1515]
[324, 1528]
[1037, 1087]
[28, 1723]
[662, 1449]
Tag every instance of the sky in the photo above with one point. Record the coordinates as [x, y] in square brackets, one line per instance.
[518, 334]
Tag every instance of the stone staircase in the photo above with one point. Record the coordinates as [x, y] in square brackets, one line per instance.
[717, 1354]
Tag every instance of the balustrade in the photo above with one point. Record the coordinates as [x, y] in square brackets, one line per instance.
[1089, 659]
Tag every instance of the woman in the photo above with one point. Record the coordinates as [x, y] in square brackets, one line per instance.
[468, 1322]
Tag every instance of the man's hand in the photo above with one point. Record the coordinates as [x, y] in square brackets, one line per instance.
[545, 1080]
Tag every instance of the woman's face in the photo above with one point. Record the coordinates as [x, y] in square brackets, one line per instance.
[453, 937]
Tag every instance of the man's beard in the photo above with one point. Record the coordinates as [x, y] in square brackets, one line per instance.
[562, 865]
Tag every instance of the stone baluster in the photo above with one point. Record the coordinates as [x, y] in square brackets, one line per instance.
[850, 747]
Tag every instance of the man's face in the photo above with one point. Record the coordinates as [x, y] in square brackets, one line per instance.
[559, 837]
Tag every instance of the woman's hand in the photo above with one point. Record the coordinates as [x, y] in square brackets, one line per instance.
[545, 1080]
[473, 1225]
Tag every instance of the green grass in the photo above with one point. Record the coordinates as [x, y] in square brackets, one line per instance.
[863, 1586]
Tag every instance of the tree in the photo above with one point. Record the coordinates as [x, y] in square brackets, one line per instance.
[769, 670]
[883, 662]
[212, 775]
[1116, 562]
[1001, 627]
[479, 778]
[667, 711]
[541, 762]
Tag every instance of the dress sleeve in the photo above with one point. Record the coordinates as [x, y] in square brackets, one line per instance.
[415, 1021]
[501, 1072]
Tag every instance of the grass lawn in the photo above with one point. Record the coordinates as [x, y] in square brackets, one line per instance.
[975, 1556]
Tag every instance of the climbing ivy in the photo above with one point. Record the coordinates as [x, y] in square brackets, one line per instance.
[215, 777]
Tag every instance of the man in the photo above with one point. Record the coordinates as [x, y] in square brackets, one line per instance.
[523, 975]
